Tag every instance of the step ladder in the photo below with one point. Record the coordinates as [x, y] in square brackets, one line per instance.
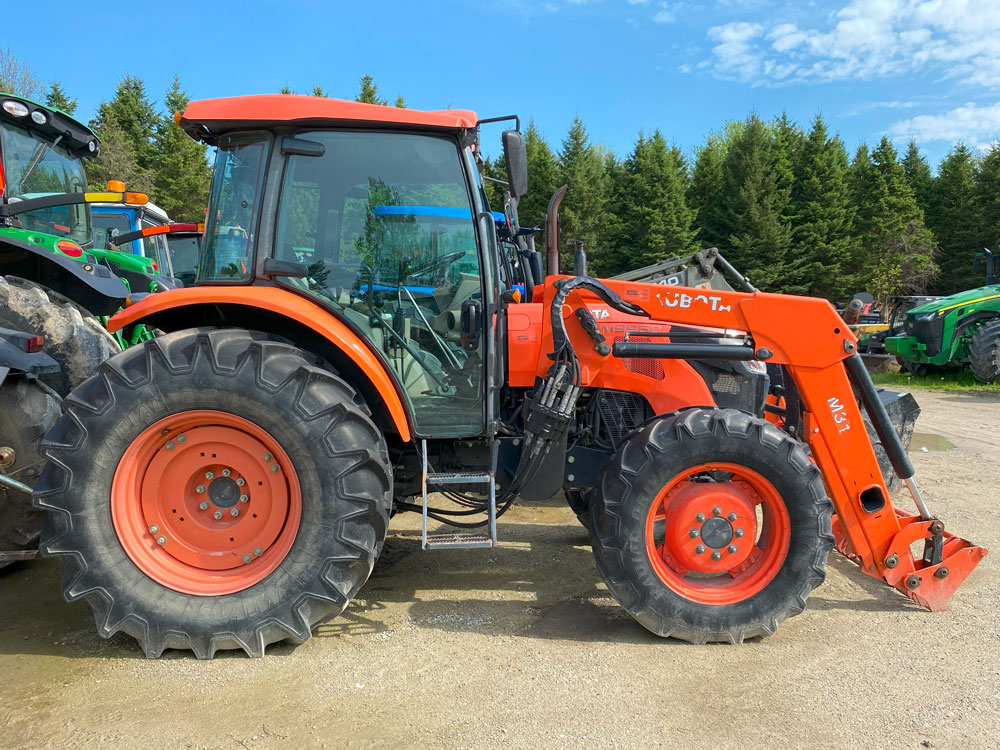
[465, 540]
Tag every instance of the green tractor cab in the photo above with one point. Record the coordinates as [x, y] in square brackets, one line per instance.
[955, 331]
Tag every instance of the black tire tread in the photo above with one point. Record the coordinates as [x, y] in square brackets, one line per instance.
[652, 444]
[984, 352]
[278, 368]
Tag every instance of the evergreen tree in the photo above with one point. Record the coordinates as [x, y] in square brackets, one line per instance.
[955, 219]
[182, 171]
[581, 166]
[655, 221]
[400, 101]
[56, 97]
[898, 248]
[822, 213]
[918, 176]
[16, 77]
[750, 211]
[133, 114]
[285, 90]
[543, 179]
[369, 91]
[706, 187]
[116, 161]
[318, 91]
[988, 199]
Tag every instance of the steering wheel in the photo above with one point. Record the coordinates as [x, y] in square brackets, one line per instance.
[442, 260]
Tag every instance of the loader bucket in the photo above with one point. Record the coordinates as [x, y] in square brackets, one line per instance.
[903, 411]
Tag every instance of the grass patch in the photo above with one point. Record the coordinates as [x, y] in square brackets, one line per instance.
[942, 381]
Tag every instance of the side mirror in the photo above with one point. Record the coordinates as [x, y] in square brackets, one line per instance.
[516, 158]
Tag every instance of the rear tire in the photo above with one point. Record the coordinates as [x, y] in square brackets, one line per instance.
[27, 412]
[731, 463]
[984, 352]
[324, 509]
[73, 337]
[579, 501]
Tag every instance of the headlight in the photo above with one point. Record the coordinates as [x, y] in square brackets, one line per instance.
[38, 117]
[15, 108]
[925, 316]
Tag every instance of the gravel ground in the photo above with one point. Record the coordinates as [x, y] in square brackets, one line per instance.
[521, 646]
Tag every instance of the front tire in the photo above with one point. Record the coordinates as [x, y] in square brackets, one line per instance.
[984, 353]
[711, 525]
[155, 453]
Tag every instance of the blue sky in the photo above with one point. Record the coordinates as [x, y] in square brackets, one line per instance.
[928, 68]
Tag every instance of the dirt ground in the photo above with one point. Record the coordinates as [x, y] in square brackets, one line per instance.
[521, 646]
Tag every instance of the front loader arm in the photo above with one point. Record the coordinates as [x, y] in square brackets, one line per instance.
[810, 339]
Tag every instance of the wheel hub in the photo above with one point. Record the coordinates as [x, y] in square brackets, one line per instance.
[716, 532]
[224, 492]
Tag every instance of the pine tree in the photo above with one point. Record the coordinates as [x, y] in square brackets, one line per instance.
[182, 171]
[400, 101]
[706, 187]
[57, 98]
[369, 91]
[134, 115]
[286, 90]
[16, 77]
[822, 215]
[543, 178]
[918, 175]
[750, 211]
[581, 166]
[899, 249]
[988, 198]
[116, 161]
[317, 91]
[655, 221]
[955, 219]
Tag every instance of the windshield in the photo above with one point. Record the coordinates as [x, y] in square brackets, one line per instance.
[32, 167]
[229, 231]
[108, 226]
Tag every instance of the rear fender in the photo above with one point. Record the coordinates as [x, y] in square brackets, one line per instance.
[90, 285]
[274, 310]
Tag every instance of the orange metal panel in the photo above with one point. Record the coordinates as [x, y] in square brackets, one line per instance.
[283, 303]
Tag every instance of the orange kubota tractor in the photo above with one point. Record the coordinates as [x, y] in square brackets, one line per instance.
[361, 333]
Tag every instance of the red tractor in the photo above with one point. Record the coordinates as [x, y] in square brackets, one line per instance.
[361, 334]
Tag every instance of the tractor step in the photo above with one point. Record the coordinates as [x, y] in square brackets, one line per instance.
[457, 541]
[453, 540]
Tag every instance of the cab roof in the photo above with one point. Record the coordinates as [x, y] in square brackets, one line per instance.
[204, 120]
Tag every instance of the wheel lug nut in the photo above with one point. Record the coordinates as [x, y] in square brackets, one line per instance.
[693, 533]
[161, 540]
[234, 512]
[732, 517]
[733, 549]
[716, 511]
[267, 457]
[716, 555]
[217, 515]
[246, 558]
[258, 551]
[240, 482]
[700, 549]
[209, 475]
[700, 518]
[738, 533]
[275, 468]
[153, 529]
[200, 489]
[244, 498]
[170, 445]
[226, 472]
[182, 438]
[203, 505]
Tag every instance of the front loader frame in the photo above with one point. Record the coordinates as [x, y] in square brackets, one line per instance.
[818, 351]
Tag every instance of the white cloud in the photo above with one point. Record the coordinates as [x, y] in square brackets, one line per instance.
[867, 40]
[664, 16]
[977, 126]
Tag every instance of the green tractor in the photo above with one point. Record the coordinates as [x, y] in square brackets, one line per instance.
[955, 331]
[54, 284]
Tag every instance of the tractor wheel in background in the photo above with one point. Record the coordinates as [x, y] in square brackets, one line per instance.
[711, 525]
[984, 352]
[920, 369]
[579, 502]
[73, 337]
[211, 489]
[27, 412]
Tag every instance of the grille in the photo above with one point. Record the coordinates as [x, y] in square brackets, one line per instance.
[621, 413]
[651, 368]
[745, 390]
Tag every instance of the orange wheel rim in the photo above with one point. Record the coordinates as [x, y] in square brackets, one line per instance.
[206, 503]
[718, 533]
